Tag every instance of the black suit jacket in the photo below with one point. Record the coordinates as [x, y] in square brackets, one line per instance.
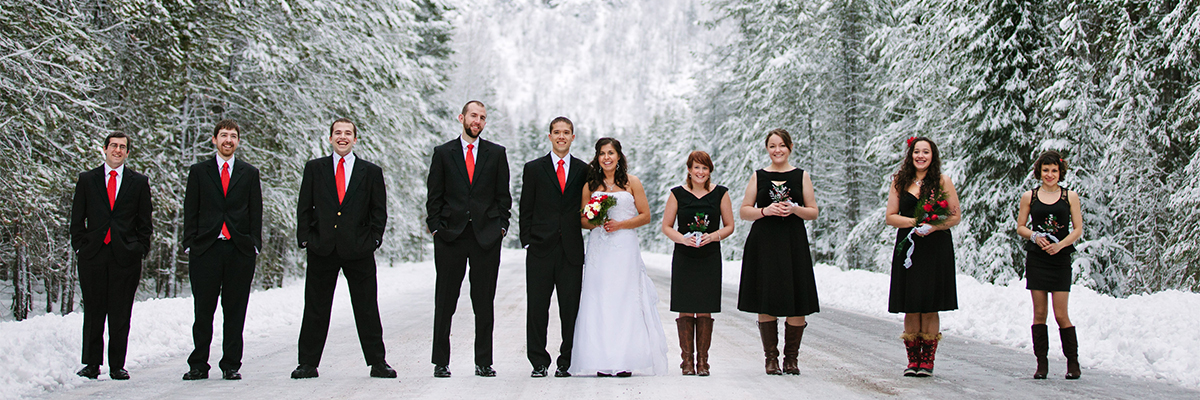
[205, 207]
[352, 229]
[454, 200]
[129, 217]
[549, 216]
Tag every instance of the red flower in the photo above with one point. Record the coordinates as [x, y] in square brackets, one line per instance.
[910, 140]
[928, 208]
[943, 204]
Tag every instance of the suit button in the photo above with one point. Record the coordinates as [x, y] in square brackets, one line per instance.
[335, 227]
[339, 213]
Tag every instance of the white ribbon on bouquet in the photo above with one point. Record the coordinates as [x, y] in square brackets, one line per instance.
[923, 230]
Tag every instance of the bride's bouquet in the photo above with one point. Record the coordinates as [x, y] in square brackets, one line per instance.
[596, 209]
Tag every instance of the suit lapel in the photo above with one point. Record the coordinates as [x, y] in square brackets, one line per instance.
[551, 173]
[101, 183]
[122, 192]
[460, 163]
[356, 178]
[239, 169]
[211, 167]
[576, 173]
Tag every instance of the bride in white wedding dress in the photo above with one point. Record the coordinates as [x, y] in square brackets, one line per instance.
[618, 330]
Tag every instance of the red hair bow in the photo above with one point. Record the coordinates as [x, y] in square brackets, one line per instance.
[910, 140]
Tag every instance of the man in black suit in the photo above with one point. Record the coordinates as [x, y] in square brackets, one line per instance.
[110, 233]
[551, 188]
[340, 219]
[468, 211]
[222, 233]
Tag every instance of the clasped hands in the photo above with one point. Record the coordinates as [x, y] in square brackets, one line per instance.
[690, 240]
[1047, 246]
[781, 209]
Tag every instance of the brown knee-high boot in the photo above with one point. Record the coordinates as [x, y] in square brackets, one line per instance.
[929, 345]
[687, 337]
[1041, 345]
[704, 328]
[769, 331]
[1070, 349]
[913, 346]
[791, 347]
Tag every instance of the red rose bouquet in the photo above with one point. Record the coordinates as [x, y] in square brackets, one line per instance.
[596, 209]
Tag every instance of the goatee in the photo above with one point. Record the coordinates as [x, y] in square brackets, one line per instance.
[472, 134]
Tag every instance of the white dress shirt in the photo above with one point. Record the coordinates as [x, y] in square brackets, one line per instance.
[554, 158]
[349, 167]
[220, 164]
[120, 178]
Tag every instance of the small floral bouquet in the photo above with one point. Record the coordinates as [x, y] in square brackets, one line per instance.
[1046, 230]
[596, 209]
[781, 194]
[697, 228]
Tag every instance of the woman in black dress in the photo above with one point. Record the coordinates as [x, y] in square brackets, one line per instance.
[923, 264]
[777, 271]
[696, 264]
[1048, 256]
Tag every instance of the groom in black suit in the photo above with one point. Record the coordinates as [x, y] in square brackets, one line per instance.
[552, 187]
[468, 212]
[110, 232]
[340, 219]
[222, 234]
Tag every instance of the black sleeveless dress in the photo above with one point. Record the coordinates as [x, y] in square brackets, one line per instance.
[696, 272]
[928, 286]
[777, 268]
[1044, 271]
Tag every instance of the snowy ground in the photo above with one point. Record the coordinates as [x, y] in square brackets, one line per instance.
[851, 349]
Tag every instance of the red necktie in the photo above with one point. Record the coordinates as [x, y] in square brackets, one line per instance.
[470, 163]
[225, 188]
[112, 200]
[562, 177]
[340, 180]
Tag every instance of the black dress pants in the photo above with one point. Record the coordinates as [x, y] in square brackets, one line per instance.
[224, 273]
[450, 259]
[108, 288]
[319, 283]
[542, 274]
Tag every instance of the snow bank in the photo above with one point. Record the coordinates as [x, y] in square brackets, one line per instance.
[1152, 336]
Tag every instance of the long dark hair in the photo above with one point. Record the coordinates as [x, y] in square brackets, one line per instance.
[595, 177]
[908, 172]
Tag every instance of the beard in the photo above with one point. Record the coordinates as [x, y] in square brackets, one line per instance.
[472, 134]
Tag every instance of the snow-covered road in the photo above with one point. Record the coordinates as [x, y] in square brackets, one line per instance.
[844, 355]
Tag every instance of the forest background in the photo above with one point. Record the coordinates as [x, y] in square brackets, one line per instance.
[1111, 83]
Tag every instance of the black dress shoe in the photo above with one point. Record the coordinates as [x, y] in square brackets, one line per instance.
[231, 375]
[624, 374]
[195, 375]
[441, 371]
[539, 372]
[304, 371]
[119, 374]
[382, 370]
[485, 371]
[561, 372]
[89, 371]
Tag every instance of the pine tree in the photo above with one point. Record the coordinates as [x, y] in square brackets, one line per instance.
[997, 85]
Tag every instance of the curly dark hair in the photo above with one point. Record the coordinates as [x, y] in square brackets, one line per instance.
[1050, 157]
[908, 172]
[595, 176]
